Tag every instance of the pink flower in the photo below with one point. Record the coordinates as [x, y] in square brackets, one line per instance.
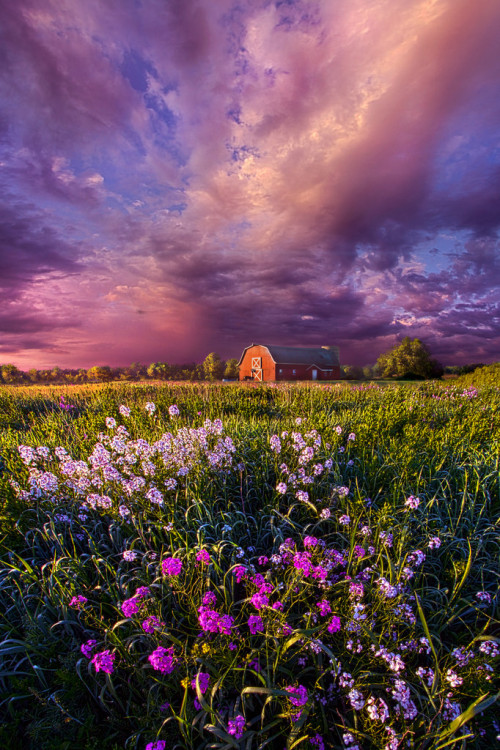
[103, 661]
[236, 726]
[335, 625]
[162, 659]
[171, 566]
[256, 624]
[203, 557]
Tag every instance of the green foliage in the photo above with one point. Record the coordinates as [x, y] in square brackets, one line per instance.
[367, 448]
[487, 375]
[213, 366]
[410, 359]
[231, 369]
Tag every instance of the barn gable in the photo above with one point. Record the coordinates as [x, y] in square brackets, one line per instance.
[269, 362]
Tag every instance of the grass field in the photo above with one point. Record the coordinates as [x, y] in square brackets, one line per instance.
[226, 566]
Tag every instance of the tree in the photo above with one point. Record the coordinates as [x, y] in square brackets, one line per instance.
[10, 374]
[410, 359]
[159, 371]
[213, 366]
[102, 373]
[231, 370]
[352, 372]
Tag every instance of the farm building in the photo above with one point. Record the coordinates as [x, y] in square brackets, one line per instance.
[259, 362]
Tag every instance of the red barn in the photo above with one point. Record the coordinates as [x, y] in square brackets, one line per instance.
[259, 362]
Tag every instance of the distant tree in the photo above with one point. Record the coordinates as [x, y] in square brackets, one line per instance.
[410, 359]
[352, 372]
[368, 372]
[11, 374]
[159, 371]
[33, 375]
[213, 366]
[231, 370]
[102, 373]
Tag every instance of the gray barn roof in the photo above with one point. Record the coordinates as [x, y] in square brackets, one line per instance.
[322, 356]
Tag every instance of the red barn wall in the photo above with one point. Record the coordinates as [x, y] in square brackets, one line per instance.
[268, 366]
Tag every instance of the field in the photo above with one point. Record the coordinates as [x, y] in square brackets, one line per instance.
[226, 566]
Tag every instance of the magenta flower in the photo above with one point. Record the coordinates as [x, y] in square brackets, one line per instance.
[259, 600]
[158, 745]
[130, 606]
[150, 624]
[87, 648]
[162, 659]
[78, 601]
[103, 661]
[209, 598]
[300, 695]
[324, 607]
[171, 566]
[236, 726]
[256, 624]
[203, 682]
[203, 557]
[335, 625]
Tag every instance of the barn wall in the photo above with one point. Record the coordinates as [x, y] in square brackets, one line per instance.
[267, 363]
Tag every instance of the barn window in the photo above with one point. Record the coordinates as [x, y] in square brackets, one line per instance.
[294, 372]
[281, 370]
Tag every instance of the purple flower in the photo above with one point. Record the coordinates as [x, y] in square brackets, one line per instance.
[300, 695]
[281, 488]
[334, 625]
[173, 410]
[78, 601]
[158, 745]
[151, 623]
[124, 411]
[130, 606]
[129, 555]
[87, 648]
[324, 607]
[203, 557]
[209, 598]
[103, 661]
[255, 624]
[203, 682]
[150, 407]
[236, 726]
[412, 502]
[240, 572]
[162, 659]
[171, 566]
[259, 600]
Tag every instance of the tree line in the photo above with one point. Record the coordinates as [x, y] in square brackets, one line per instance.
[212, 368]
[409, 359]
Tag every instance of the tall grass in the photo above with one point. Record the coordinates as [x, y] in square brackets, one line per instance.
[299, 566]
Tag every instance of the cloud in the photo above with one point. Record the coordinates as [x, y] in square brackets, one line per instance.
[188, 176]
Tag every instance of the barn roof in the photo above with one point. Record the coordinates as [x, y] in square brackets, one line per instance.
[322, 356]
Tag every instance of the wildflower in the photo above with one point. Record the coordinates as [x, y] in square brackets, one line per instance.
[209, 598]
[275, 443]
[123, 511]
[256, 624]
[150, 407]
[239, 572]
[142, 592]
[386, 538]
[453, 678]
[426, 675]
[259, 600]
[356, 590]
[78, 601]
[203, 557]
[129, 555]
[173, 410]
[412, 502]
[342, 491]
[87, 648]
[490, 648]
[103, 661]
[203, 679]
[162, 659]
[324, 607]
[130, 606]
[110, 422]
[263, 560]
[334, 625]
[150, 624]
[299, 697]
[302, 496]
[325, 513]
[281, 488]
[124, 411]
[462, 657]
[317, 741]
[338, 430]
[356, 699]
[158, 745]
[359, 551]
[484, 596]
[434, 542]
[236, 726]
[171, 566]
[378, 710]
[351, 436]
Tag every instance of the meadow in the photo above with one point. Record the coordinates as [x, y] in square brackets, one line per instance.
[237, 566]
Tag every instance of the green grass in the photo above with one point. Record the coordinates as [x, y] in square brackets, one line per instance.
[435, 442]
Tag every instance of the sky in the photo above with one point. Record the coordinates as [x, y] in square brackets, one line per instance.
[185, 176]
